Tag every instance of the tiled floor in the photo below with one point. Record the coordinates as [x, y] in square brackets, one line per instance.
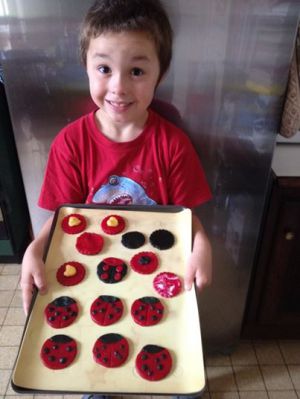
[256, 370]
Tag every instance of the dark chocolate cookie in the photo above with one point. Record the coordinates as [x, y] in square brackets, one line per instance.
[133, 239]
[162, 239]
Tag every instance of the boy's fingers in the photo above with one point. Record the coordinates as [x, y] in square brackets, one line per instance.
[189, 279]
[26, 296]
[40, 282]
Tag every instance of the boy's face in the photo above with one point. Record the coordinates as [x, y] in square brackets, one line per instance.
[123, 70]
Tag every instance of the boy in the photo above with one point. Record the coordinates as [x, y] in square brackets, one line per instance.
[123, 152]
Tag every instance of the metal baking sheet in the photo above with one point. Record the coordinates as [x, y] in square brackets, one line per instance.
[179, 330]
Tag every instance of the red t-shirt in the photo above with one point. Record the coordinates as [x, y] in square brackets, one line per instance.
[159, 167]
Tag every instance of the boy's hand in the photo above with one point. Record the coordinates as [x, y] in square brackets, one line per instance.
[33, 275]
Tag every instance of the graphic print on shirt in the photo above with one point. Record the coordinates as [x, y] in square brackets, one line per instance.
[122, 191]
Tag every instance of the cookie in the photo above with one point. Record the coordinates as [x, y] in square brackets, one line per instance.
[133, 239]
[111, 350]
[167, 284]
[73, 224]
[58, 352]
[61, 312]
[113, 224]
[106, 310]
[147, 311]
[89, 243]
[153, 362]
[144, 262]
[70, 273]
[162, 239]
[111, 270]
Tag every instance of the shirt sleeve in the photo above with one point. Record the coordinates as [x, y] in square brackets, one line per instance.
[62, 181]
[187, 182]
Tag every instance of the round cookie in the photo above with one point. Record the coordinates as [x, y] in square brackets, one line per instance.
[167, 284]
[133, 239]
[153, 362]
[111, 350]
[147, 311]
[111, 270]
[73, 224]
[61, 312]
[58, 352]
[113, 224]
[106, 310]
[89, 243]
[162, 239]
[70, 273]
[144, 262]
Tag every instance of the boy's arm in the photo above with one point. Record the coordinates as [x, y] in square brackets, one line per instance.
[200, 261]
[33, 273]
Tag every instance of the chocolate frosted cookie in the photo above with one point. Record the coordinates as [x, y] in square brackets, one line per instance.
[147, 311]
[58, 352]
[89, 243]
[153, 362]
[111, 270]
[70, 273]
[106, 310]
[61, 312]
[162, 239]
[73, 224]
[111, 350]
[144, 262]
[113, 224]
[133, 239]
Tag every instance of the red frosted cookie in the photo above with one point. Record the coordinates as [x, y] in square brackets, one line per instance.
[153, 362]
[58, 352]
[106, 310]
[111, 270]
[70, 273]
[73, 224]
[61, 312]
[167, 284]
[113, 224]
[89, 243]
[144, 262]
[111, 350]
[147, 311]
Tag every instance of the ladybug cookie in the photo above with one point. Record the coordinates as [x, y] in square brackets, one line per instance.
[61, 312]
[111, 270]
[153, 362]
[147, 311]
[111, 350]
[58, 352]
[73, 224]
[106, 310]
[70, 273]
[89, 243]
[144, 262]
[113, 224]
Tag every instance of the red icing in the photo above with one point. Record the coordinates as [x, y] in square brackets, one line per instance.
[111, 354]
[106, 310]
[167, 284]
[147, 311]
[145, 262]
[58, 355]
[73, 229]
[60, 315]
[71, 280]
[113, 229]
[153, 365]
[89, 243]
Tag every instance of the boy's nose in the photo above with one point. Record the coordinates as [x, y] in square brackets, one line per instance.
[118, 84]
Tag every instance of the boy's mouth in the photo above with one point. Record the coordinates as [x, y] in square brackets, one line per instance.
[119, 105]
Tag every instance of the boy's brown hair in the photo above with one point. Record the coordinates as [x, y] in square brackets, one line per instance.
[117, 16]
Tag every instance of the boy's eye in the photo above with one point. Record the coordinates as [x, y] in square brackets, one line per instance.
[103, 69]
[137, 72]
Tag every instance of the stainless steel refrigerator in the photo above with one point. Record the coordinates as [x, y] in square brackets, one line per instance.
[227, 81]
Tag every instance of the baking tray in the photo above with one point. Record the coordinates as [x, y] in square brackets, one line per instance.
[179, 330]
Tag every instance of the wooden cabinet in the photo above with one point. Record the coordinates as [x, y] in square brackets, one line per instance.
[273, 306]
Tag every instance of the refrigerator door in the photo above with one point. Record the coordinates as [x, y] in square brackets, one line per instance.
[226, 84]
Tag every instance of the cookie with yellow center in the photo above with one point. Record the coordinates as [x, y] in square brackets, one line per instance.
[70, 273]
[113, 224]
[73, 224]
